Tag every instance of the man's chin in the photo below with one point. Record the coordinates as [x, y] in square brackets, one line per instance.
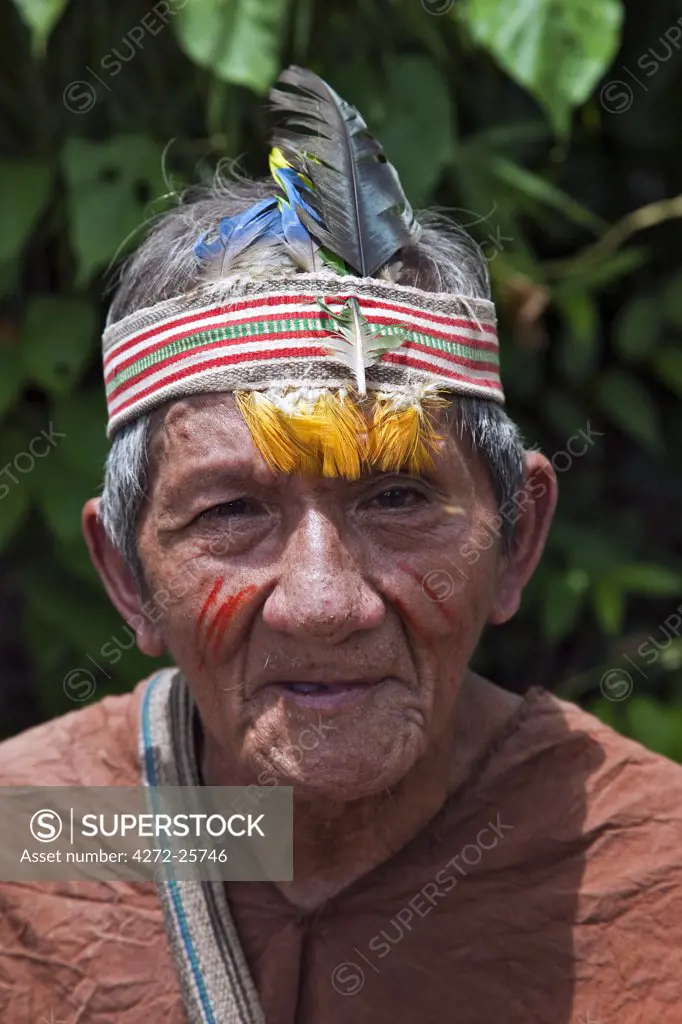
[357, 752]
[339, 787]
[340, 773]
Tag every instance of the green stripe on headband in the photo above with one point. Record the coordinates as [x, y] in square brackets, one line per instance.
[243, 331]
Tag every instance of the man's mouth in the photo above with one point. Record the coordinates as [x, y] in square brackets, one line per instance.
[324, 696]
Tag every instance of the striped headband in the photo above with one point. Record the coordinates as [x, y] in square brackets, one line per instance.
[282, 335]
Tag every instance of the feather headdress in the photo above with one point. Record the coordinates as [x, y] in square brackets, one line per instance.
[363, 214]
[333, 369]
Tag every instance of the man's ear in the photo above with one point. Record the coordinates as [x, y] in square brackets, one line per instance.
[534, 506]
[119, 582]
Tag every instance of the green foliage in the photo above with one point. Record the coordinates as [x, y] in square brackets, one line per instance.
[647, 721]
[239, 41]
[108, 184]
[491, 109]
[419, 120]
[24, 192]
[41, 17]
[56, 341]
[556, 49]
[624, 400]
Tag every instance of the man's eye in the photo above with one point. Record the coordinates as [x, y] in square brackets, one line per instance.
[399, 497]
[231, 509]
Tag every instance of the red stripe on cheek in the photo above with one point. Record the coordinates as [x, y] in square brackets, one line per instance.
[416, 629]
[219, 624]
[226, 613]
[429, 591]
[208, 602]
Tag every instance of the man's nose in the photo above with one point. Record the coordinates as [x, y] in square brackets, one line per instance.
[321, 591]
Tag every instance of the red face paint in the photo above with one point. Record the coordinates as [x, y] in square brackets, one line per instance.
[211, 599]
[429, 591]
[217, 628]
[405, 615]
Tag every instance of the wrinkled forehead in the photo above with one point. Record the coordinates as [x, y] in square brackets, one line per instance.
[208, 433]
[202, 429]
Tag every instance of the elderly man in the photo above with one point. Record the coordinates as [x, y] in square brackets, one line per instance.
[302, 506]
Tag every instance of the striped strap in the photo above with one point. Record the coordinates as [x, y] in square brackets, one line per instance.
[214, 977]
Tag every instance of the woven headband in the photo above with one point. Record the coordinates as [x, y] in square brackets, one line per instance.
[277, 337]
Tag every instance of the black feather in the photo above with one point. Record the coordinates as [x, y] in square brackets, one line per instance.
[365, 215]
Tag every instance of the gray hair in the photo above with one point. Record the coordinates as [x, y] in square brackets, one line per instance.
[446, 259]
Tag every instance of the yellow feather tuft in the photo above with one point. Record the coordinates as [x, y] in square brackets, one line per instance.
[334, 435]
[269, 432]
[336, 431]
[402, 438]
[326, 436]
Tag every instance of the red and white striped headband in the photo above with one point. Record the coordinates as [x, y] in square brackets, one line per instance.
[273, 335]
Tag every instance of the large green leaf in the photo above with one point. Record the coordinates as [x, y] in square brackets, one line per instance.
[419, 122]
[557, 49]
[24, 191]
[41, 16]
[58, 340]
[239, 41]
[109, 186]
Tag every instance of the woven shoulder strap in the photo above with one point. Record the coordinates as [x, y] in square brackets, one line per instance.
[216, 984]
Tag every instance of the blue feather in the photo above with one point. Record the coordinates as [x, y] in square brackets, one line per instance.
[276, 217]
[289, 180]
[297, 237]
[236, 233]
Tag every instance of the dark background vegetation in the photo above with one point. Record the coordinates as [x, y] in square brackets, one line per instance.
[552, 129]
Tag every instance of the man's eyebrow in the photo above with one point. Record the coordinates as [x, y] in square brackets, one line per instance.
[395, 477]
[237, 469]
[212, 474]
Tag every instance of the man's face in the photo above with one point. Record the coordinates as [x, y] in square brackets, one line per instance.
[323, 625]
